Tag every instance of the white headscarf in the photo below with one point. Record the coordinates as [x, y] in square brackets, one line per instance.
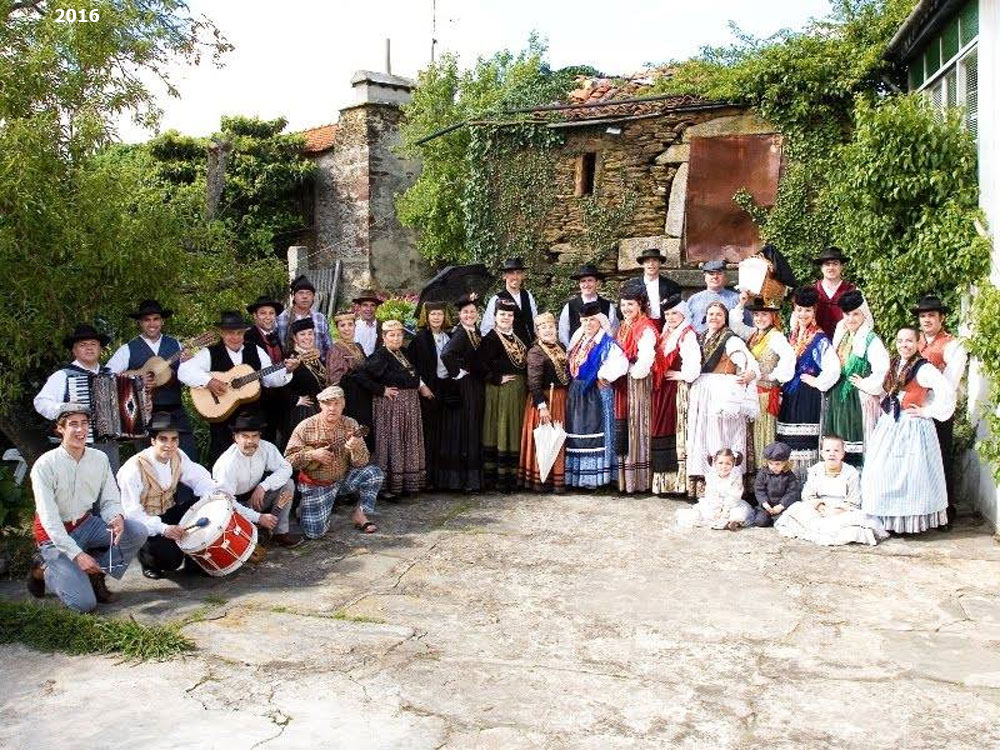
[671, 339]
[858, 345]
[581, 331]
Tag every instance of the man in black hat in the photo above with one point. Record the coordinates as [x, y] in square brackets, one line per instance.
[366, 329]
[70, 383]
[658, 288]
[589, 278]
[715, 291]
[222, 357]
[946, 353]
[256, 473]
[831, 287]
[527, 309]
[264, 334]
[303, 297]
[152, 342]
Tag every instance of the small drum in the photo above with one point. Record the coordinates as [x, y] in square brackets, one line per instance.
[225, 543]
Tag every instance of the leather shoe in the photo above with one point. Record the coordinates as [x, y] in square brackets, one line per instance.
[101, 591]
[287, 539]
[36, 580]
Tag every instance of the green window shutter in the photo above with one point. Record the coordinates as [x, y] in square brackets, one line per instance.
[969, 21]
[916, 73]
[949, 40]
[932, 58]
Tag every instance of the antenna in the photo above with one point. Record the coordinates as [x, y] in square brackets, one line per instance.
[388, 56]
[434, 28]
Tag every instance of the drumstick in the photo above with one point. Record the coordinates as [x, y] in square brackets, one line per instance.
[199, 524]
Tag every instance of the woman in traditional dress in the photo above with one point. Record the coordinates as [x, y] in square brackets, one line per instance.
[816, 370]
[399, 435]
[852, 405]
[903, 480]
[595, 363]
[548, 376]
[424, 352]
[637, 337]
[343, 362]
[720, 400]
[503, 359]
[677, 365]
[308, 379]
[776, 362]
[460, 463]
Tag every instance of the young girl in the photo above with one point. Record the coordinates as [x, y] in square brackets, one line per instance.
[723, 506]
[776, 487]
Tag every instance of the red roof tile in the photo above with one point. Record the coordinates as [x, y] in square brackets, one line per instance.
[319, 139]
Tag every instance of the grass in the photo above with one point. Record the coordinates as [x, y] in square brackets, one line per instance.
[49, 628]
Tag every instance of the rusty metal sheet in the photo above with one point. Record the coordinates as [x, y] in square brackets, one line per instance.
[715, 227]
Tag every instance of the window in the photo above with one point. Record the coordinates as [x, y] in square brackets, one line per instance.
[586, 166]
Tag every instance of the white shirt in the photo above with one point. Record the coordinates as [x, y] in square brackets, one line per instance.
[366, 335]
[490, 314]
[237, 473]
[196, 372]
[644, 356]
[193, 475]
[53, 393]
[565, 333]
[784, 370]
[119, 360]
[653, 292]
[940, 402]
[65, 490]
[690, 353]
[440, 339]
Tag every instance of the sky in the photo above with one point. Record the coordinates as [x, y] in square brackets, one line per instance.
[295, 58]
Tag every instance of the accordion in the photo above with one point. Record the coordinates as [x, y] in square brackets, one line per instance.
[120, 404]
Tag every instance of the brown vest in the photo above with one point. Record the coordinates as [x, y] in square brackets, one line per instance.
[725, 366]
[155, 500]
[934, 351]
[913, 394]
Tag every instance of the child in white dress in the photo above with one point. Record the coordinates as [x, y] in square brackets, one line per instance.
[723, 506]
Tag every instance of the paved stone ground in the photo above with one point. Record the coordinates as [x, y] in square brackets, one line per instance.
[546, 622]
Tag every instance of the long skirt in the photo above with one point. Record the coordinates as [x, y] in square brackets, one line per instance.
[903, 482]
[528, 474]
[503, 417]
[358, 405]
[854, 419]
[832, 526]
[399, 441]
[764, 430]
[590, 436]
[669, 456]
[633, 420]
[460, 462]
[431, 410]
[798, 426]
[708, 429]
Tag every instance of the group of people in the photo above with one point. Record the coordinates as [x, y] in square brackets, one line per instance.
[704, 398]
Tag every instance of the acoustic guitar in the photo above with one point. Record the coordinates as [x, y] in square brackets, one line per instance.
[244, 387]
[162, 368]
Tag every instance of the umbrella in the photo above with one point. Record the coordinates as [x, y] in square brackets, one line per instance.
[549, 439]
[454, 281]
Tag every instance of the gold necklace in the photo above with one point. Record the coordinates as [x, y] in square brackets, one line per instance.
[515, 349]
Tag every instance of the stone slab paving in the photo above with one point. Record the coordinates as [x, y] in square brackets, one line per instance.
[546, 622]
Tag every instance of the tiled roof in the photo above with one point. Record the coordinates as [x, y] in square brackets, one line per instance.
[319, 139]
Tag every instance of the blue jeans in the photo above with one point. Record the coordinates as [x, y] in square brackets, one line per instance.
[72, 585]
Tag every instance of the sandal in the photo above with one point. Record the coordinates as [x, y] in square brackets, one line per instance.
[366, 528]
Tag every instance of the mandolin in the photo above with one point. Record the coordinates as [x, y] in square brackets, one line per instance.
[244, 387]
[162, 368]
[338, 445]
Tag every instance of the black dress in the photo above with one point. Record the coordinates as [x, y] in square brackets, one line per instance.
[305, 382]
[423, 353]
[460, 460]
[344, 362]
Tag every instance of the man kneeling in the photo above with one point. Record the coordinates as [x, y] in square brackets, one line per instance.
[331, 458]
[76, 547]
[149, 482]
[255, 472]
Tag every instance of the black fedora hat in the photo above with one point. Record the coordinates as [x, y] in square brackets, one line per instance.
[164, 421]
[757, 304]
[265, 301]
[301, 283]
[831, 253]
[651, 253]
[513, 264]
[930, 303]
[150, 307]
[86, 332]
[247, 421]
[230, 320]
[588, 269]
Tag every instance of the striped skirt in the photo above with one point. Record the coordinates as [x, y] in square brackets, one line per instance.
[590, 436]
[399, 441]
[798, 426]
[528, 475]
[676, 481]
[633, 427]
[503, 418]
[903, 481]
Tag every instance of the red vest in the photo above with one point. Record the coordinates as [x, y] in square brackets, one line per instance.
[913, 394]
[933, 352]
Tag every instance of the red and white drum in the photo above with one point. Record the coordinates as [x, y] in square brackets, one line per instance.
[225, 543]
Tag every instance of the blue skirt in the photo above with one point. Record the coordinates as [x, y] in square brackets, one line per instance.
[590, 436]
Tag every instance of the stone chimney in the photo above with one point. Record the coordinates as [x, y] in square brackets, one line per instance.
[381, 88]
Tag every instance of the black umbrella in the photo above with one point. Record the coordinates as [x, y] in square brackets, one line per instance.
[454, 281]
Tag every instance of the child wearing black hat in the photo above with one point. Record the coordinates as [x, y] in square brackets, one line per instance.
[776, 487]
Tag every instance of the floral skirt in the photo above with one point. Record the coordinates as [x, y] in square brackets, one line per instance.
[399, 441]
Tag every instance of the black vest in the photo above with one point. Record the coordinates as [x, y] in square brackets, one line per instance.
[220, 361]
[139, 352]
[576, 304]
[524, 324]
